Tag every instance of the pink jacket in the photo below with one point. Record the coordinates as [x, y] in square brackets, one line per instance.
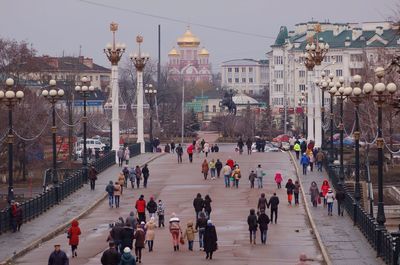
[278, 178]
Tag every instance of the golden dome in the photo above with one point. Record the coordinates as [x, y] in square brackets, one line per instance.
[173, 52]
[188, 39]
[204, 52]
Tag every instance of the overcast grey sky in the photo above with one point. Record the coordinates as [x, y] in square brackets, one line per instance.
[54, 26]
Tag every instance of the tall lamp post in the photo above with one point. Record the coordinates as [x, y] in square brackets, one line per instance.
[114, 53]
[332, 91]
[10, 98]
[150, 94]
[84, 90]
[53, 95]
[139, 60]
[323, 85]
[381, 94]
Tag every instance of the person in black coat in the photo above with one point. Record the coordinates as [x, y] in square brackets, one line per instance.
[198, 204]
[152, 207]
[111, 255]
[273, 205]
[210, 240]
[263, 221]
[127, 236]
[218, 166]
[58, 257]
[252, 222]
[146, 174]
[207, 206]
[115, 233]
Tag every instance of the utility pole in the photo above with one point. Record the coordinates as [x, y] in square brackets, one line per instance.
[284, 92]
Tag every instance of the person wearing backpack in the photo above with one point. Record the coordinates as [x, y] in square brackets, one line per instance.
[252, 222]
[110, 191]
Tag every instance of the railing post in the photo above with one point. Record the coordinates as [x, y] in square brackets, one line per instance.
[354, 213]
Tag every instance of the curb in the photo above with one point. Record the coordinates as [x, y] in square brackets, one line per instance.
[321, 245]
[62, 227]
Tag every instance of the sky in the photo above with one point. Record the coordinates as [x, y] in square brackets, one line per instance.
[229, 29]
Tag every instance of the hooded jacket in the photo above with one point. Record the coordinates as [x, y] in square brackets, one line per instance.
[74, 231]
[190, 232]
[151, 206]
[127, 259]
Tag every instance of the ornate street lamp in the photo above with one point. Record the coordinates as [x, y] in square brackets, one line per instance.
[53, 95]
[114, 53]
[139, 60]
[85, 90]
[10, 98]
[303, 104]
[150, 94]
[381, 94]
[332, 91]
[316, 51]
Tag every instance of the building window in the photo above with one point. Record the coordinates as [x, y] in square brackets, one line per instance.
[278, 74]
[243, 69]
[278, 87]
[251, 92]
[97, 78]
[339, 58]
[327, 72]
[207, 109]
[214, 108]
[302, 87]
[278, 59]
[356, 57]
[250, 69]
[229, 70]
[236, 80]
[236, 69]
[243, 80]
[229, 80]
[339, 72]
[302, 73]
[327, 59]
[250, 80]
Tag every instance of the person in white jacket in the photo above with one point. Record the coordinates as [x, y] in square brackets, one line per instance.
[330, 197]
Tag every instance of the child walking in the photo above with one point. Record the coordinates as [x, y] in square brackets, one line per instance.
[190, 234]
[160, 213]
[290, 188]
[278, 179]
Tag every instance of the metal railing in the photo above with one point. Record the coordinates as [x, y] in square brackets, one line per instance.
[387, 245]
[52, 195]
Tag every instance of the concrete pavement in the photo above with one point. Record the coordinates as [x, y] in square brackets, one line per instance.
[344, 242]
[42, 227]
[177, 184]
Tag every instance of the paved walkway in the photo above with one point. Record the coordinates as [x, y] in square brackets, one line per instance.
[77, 203]
[344, 242]
[177, 184]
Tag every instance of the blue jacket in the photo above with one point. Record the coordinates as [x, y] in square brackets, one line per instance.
[304, 160]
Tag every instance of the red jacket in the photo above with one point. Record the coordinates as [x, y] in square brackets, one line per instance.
[230, 163]
[190, 149]
[140, 206]
[325, 187]
[74, 231]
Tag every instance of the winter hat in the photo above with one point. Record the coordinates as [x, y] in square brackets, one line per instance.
[127, 250]
[142, 223]
[209, 222]
[330, 190]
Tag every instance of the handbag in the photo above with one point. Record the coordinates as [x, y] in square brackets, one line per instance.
[181, 240]
[321, 194]
[319, 200]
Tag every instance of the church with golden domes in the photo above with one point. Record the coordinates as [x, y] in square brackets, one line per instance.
[188, 60]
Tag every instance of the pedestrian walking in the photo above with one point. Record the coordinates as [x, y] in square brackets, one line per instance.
[249, 143]
[252, 178]
[324, 190]
[127, 236]
[139, 237]
[320, 159]
[92, 177]
[175, 230]
[117, 193]
[172, 146]
[260, 175]
[216, 148]
[297, 150]
[263, 221]
[179, 153]
[240, 145]
[204, 169]
[132, 177]
[146, 174]
[206, 148]
[110, 192]
[262, 203]
[138, 173]
[111, 255]
[311, 158]
[141, 208]
[160, 213]
[303, 146]
[132, 220]
[278, 180]
[314, 193]
[253, 225]
[127, 155]
[330, 198]
[198, 204]
[152, 207]
[73, 235]
[121, 181]
[150, 233]
[190, 234]
[226, 171]
[127, 258]
[236, 174]
[58, 257]
[115, 234]
[13, 216]
[189, 150]
[340, 197]
[201, 227]
[296, 192]
[213, 169]
[289, 190]
[125, 171]
[210, 240]
[120, 155]
[273, 205]
[207, 205]
[304, 161]
[218, 167]
[19, 214]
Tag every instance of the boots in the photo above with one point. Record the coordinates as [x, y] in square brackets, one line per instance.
[177, 247]
[174, 248]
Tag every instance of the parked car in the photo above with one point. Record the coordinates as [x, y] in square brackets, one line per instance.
[281, 138]
[285, 146]
[91, 143]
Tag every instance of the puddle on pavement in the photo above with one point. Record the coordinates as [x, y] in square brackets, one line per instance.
[98, 230]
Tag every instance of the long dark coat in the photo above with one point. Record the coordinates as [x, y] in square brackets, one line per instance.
[210, 239]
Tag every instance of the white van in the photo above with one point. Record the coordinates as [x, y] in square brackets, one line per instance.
[90, 143]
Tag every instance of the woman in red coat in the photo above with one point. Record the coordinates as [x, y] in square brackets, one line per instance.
[324, 190]
[73, 234]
